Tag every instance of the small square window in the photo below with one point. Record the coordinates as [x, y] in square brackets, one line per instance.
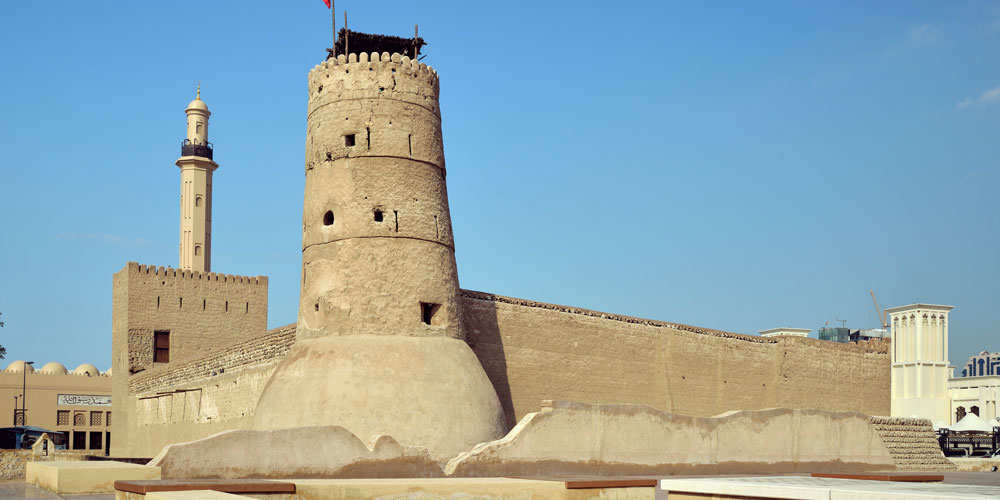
[429, 313]
[349, 140]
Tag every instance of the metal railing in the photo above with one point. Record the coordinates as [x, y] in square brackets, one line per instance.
[969, 444]
[189, 148]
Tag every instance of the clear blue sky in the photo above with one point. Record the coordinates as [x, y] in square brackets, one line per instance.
[733, 165]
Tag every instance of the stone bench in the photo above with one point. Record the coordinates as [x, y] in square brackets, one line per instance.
[84, 477]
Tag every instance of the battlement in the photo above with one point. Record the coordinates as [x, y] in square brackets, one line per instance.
[365, 60]
[374, 76]
[185, 274]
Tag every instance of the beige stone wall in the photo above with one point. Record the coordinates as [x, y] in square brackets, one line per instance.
[12, 462]
[205, 313]
[534, 351]
[202, 397]
[912, 443]
[576, 439]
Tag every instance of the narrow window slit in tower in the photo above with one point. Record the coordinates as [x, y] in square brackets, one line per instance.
[328, 218]
[395, 215]
[348, 140]
[368, 131]
[180, 302]
[227, 306]
[316, 306]
[248, 309]
[428, 311]
[409, 143]
[157, 302]
[203, 303]
[378, 215]
[437, 232]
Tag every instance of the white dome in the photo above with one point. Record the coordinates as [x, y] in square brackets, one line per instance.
[18, 366]
[108, 371]
[87, 369]
[54, 368]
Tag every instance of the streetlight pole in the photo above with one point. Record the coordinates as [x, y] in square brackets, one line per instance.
[24, 393]
[15, 411]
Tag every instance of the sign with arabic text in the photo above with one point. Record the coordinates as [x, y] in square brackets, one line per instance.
[81, 400]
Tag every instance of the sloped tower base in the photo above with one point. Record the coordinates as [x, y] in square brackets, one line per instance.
[429, 392]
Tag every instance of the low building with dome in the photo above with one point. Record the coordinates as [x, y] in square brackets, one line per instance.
[77, 401]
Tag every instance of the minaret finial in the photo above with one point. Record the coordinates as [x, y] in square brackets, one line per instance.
[198, 95]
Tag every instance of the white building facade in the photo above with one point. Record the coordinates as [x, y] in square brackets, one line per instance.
[786, 331]
[974, 395]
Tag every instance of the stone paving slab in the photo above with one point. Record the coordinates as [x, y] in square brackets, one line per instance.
[817, 488]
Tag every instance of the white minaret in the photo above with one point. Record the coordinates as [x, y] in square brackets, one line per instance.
[196, 189]
[920, 362]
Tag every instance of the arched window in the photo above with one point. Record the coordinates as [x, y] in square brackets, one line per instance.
[80, 419]
[975, 409]
[959, 413]
[197, 201]
[197, 249]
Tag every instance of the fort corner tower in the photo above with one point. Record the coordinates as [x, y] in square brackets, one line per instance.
[196, 166]
[379, 347]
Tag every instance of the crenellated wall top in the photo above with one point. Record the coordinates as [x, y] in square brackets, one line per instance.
[187, 274]
[364, 60]
[368, 76]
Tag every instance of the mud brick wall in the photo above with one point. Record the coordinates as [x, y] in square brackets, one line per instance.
[912, 443]
[534, 351]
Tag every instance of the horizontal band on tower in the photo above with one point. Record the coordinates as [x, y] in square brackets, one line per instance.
[348, 238]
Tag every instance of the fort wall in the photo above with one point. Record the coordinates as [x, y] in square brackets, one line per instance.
[534, 351]
[192, 400]
[200, 313]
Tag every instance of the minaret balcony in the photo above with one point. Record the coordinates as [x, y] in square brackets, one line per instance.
[189, 148]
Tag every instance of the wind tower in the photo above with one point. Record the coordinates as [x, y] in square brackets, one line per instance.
[920, 369]
[380, 347]
[196, 166]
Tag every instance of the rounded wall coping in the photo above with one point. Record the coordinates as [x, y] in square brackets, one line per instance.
[356, 60]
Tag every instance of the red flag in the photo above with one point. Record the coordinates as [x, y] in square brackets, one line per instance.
[327, 2]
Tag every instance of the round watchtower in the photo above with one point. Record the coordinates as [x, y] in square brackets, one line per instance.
[379, 346]
[377, 250]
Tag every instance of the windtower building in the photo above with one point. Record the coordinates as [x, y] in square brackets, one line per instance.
[920, 361]
[196, 166]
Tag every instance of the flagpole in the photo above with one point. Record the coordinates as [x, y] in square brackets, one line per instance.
[333, 17]
[347, 37]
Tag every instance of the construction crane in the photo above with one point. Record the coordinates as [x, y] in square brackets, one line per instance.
[881, 313]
